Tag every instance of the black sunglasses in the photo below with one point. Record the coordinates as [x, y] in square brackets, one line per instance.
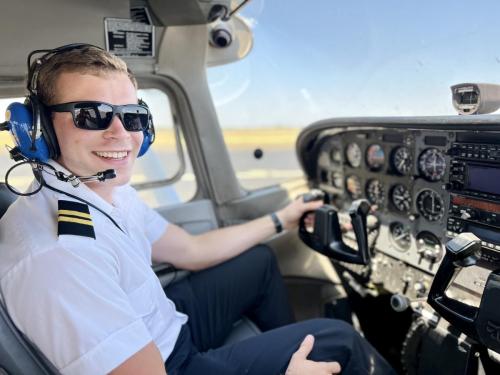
[99, 115]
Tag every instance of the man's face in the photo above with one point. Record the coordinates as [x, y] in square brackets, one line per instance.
[86, 152]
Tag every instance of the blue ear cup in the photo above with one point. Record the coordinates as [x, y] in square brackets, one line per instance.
[148, 134]
[20, 118]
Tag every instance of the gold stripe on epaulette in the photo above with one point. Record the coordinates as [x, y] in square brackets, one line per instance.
[74, 213]
[74, 220]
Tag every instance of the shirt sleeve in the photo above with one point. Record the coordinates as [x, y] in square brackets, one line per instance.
[75, 311]
[153, 223]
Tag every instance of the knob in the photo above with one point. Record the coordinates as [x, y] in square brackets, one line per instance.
[399, 302]
[420, 288]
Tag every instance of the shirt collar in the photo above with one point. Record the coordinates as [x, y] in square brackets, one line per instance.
[81, 191]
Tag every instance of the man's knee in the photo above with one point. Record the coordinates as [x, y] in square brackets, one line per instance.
[262, 256]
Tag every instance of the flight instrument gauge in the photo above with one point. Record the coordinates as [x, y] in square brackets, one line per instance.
[353, 154]
[401, 236]
[353, 186]
[402, 160]
[432, 164]
[375, 192]
[401, 198]
[337, 179]
[429, 246]
[430, 205]
[335, 155]
[375, 157]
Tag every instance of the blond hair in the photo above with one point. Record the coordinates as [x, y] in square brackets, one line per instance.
[85, 60]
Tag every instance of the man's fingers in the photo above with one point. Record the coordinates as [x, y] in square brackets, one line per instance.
[333, 367]
[312, 206]
[305, 348]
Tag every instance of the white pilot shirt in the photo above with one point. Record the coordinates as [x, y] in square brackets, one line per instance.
[88, 304]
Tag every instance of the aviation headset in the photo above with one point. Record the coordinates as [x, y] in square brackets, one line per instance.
[31, 123]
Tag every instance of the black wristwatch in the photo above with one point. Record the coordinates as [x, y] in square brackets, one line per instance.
[277, 223]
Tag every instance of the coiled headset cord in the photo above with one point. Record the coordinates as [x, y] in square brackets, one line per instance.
[38, 168]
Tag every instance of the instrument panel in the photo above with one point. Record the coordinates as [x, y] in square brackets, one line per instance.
[423, 185]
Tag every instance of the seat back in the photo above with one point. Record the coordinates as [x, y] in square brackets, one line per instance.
[6, 198]
[17, 355]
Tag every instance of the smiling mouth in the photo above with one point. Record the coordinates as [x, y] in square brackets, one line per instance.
[112, 155]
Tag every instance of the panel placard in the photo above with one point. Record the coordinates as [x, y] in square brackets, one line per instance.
[127, 38]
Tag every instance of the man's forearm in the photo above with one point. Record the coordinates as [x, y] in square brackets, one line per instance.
[217, 246]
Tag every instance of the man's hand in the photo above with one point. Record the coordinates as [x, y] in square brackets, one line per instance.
[291, 214]
[300, 365]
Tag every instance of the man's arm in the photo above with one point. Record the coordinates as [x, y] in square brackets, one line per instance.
[189, 252]
[147, 361]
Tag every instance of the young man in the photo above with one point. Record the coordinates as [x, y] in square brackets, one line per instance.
[75, 263]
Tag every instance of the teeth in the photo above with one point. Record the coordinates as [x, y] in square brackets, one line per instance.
[112, 154]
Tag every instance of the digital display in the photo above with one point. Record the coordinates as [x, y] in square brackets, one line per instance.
[484, 179]
[483, 233]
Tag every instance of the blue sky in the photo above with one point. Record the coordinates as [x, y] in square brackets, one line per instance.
[322, 58]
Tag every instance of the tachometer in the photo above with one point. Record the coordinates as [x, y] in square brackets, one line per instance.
[375, 157]
[402, 160]
[432, 164]
[401, 235]
[375, 192]
[353, 186]
[353, 154]
[430, 205]
[401, 198]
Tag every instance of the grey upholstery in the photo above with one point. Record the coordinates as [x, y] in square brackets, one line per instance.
[6, 198]
[17, 355]
[242, 329]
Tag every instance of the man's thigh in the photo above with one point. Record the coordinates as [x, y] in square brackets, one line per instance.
[217, 297]
[270, 352]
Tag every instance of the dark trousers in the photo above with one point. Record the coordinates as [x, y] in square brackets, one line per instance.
[251, 285]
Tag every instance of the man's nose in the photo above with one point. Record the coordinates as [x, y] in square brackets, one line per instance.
[116, 129]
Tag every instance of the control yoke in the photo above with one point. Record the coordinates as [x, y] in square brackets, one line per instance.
[481, 324]
[326, 237]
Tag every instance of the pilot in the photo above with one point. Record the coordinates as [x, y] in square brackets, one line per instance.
[75, 262]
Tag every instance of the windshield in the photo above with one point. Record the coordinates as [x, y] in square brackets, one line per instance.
[321, 59]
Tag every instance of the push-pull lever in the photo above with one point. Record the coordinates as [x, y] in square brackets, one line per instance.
[326, 236]
[481, 324]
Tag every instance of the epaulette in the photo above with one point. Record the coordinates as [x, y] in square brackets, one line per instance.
[74, 218]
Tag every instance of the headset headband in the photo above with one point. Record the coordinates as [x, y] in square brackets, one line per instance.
[32, 84]
[31, 123]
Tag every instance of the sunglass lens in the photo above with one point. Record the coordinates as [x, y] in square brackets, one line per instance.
[93, 116]
[135, 118]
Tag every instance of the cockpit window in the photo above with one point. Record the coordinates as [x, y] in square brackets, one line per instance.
[340, 59]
